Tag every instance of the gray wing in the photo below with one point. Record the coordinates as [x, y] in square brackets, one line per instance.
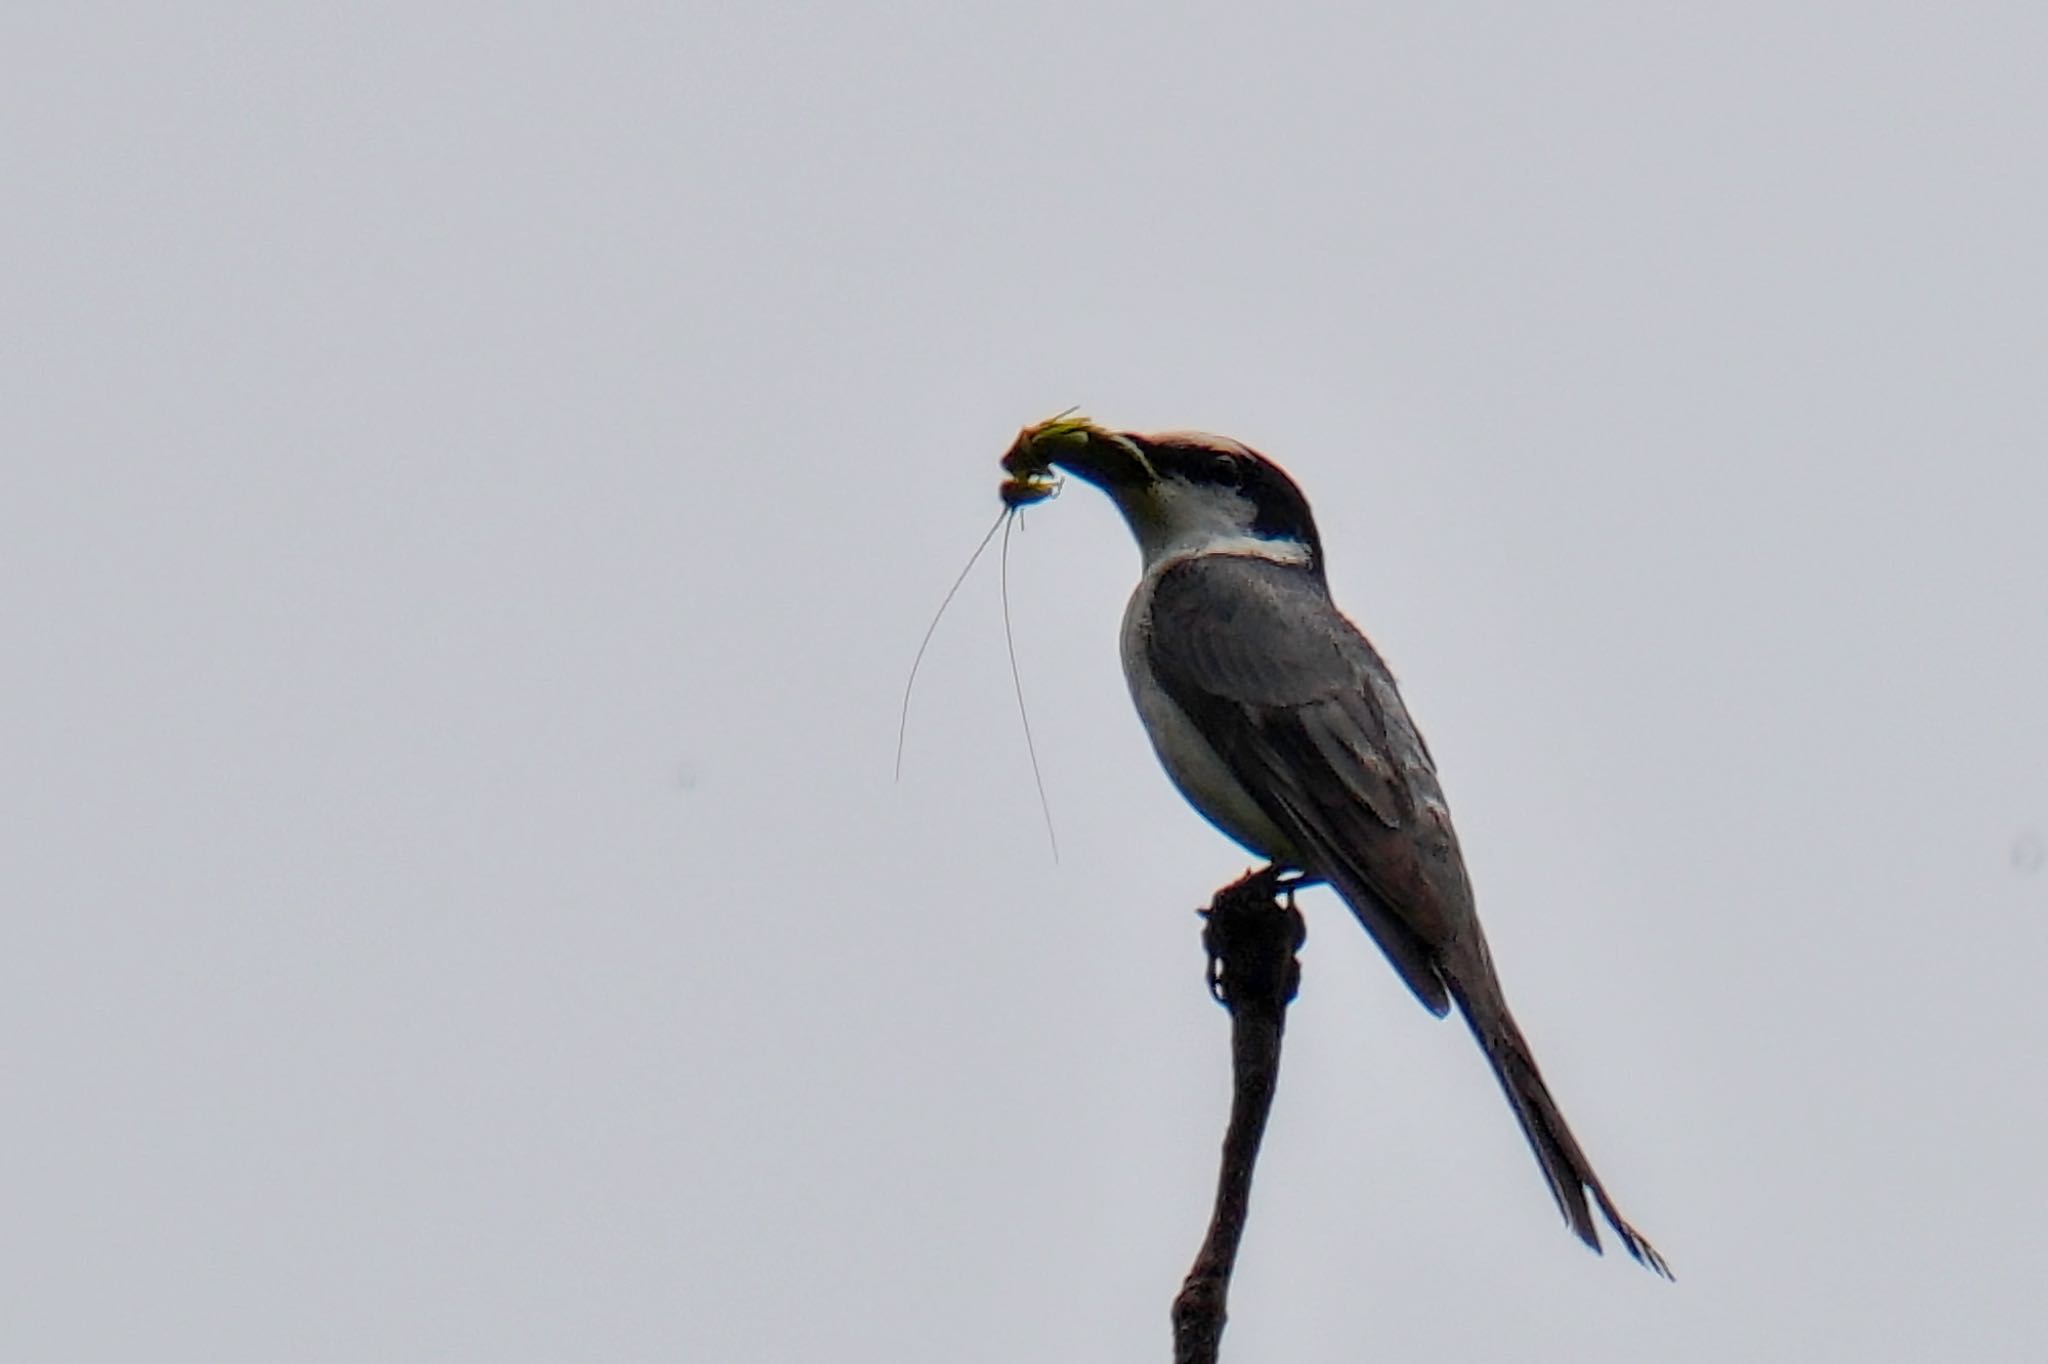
[1306, 716]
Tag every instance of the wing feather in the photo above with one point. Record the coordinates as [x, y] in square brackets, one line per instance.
[1304, 713]
[1307, 718]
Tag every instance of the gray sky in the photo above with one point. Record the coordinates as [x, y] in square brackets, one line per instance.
[475, 480]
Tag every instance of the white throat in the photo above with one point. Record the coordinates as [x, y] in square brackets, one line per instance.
[1173, 520]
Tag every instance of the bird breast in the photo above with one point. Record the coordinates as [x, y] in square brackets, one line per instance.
[1188, 757]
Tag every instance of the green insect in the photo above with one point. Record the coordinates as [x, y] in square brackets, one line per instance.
[1030, 456]
[1018, 493]
[1030, 459]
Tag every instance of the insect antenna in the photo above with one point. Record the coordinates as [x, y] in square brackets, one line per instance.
[1017, 684]
[903, 721]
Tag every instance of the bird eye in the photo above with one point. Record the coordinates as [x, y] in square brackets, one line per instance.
[1228, 471]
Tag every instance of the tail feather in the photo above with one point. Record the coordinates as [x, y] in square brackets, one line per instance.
[1564, 1164]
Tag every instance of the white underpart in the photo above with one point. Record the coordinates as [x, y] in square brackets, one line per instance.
[1177, 521]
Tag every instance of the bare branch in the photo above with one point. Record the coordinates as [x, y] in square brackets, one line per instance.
[1252, 935]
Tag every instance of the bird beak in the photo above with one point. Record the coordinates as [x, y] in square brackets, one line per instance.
[1073, 443]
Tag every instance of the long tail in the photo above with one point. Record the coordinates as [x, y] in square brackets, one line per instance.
[1557, 1151]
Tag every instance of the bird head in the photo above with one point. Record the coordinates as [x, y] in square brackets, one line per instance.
[1179, 491]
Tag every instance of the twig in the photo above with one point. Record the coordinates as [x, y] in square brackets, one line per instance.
[1251, 936]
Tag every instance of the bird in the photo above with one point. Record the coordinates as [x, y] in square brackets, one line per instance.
[1282, 725]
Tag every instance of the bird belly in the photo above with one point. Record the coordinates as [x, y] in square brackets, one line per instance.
[1188, 757]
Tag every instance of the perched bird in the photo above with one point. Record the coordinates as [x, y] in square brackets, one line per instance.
[1279, 722]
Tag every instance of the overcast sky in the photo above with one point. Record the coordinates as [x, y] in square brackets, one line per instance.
[476, 476]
